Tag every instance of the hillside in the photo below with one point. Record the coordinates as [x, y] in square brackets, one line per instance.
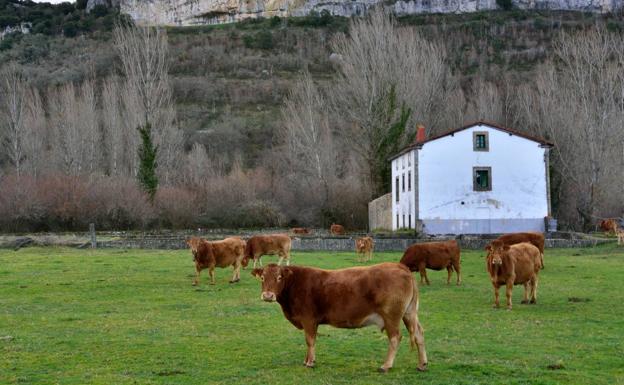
[229, 80]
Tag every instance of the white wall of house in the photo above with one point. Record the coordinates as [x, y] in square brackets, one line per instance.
[447, 202]
[442, 196]
[403, 168]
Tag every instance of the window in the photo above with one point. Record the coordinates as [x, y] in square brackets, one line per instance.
[409, 181]
[480, 141]
[482, 178]
[397, 188]
[409, 221]
[403, 181]
[397, 221]
[403, 220]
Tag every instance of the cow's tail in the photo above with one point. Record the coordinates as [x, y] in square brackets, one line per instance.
[248, 253]
[411, 316]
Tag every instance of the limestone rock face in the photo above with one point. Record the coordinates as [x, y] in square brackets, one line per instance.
[196, 12]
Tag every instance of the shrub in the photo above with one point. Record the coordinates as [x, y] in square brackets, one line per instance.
[505, 4]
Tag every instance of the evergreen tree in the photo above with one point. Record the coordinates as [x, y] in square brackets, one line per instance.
[147, 161]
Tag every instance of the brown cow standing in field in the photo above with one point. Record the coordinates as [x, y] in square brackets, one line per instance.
[364, 248]
[228, 252]
[336, 229]
[435, 256]
[259, 245]
[536, 239]
[609, 226]
[517, 264]
[381, 295]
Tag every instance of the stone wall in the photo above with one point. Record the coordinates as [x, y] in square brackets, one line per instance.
[380, 213]
[345, 243]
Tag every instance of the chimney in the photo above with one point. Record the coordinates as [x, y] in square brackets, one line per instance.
[420, 133]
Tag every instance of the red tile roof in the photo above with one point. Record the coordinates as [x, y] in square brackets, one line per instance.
[477, 123]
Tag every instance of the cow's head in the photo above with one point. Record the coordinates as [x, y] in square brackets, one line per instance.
[193, 243]
[274, 279]
[495, 250]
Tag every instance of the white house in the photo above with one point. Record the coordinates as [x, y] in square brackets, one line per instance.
[478, 179]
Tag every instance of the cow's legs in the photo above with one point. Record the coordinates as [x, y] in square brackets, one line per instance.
[534, 290]
[417, 335]
[394, 337]
[542, 260]
[422, 268]
[236, 274]
[283, 256]
[370, 255]
[457, 267]
[525, 298]
[508, 292]
[211, 272]
[496, 295]
[310, 335]
[449, 270]
[197, 272]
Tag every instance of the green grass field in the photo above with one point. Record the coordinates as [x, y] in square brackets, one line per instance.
[132, 317]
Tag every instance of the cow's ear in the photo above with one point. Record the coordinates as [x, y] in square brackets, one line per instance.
[286, 272]
[256, 272]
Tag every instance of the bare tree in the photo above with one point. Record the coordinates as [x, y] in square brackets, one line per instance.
[378, 62]
[36, 135]
[197, 165]
[308, 143]
[13, 100]
[75, 130]
[147, 93]
[578, 101]
[113, 127]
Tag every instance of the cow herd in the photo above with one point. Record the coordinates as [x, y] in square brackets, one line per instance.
[383, 294]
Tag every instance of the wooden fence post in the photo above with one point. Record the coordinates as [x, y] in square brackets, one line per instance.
[92, 232]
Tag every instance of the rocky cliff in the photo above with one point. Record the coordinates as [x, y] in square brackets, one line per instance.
[194, 12]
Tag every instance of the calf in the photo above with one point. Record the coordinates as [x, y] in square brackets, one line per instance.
[364, 248]
[300, 230]
[381, 295]
[335, 229]
[609, 226]
[259, 245]
[517, 264]
[435, 256]
[228, 252]
[536, 239]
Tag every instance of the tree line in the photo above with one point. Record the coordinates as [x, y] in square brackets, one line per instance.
[110, 149]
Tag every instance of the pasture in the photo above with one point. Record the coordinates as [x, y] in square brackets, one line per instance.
[72, 316]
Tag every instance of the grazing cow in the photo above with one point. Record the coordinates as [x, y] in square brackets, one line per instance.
[300, 230]
[609, 226]
[435, 256]
[517, 264]
[536, 239]
[228, 252]
[336, 229]
[381, 295]
[364, 248]
[259, 245]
